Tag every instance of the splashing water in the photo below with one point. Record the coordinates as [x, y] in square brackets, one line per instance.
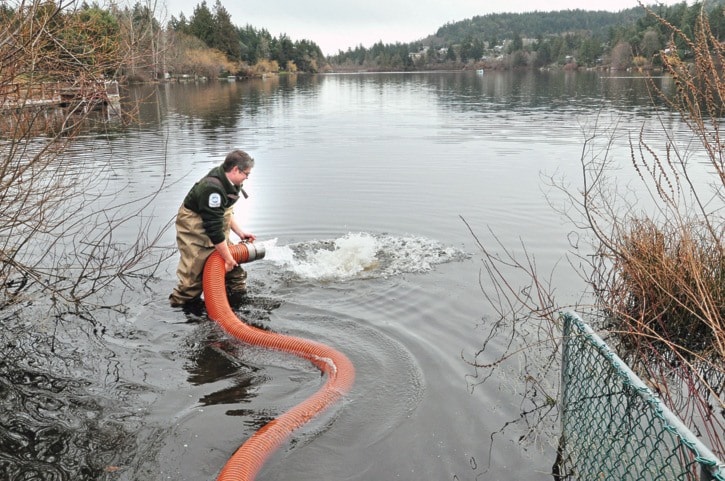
[341, 258]
[360, 255]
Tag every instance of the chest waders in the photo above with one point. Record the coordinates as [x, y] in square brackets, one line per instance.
[195, 247]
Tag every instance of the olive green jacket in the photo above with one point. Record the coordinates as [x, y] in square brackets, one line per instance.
[211, 197]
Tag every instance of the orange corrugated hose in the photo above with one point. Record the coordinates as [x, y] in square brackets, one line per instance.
[246, 462]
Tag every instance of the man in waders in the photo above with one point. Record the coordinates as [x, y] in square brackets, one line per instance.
[203, 224]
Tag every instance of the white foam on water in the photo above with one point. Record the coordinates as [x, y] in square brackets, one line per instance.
[278, 254]
[360, 255]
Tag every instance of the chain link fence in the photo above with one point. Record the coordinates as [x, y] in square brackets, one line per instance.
[614, 427]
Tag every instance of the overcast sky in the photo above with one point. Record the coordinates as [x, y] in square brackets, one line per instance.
[338, 24]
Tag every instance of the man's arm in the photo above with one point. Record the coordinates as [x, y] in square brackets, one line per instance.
[223, 249]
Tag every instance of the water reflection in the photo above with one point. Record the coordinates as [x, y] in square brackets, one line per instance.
[218, 361]
[46, 122]
[56, 425]
[222, 105]
[534, 90]
[214, 361]
[344, 111]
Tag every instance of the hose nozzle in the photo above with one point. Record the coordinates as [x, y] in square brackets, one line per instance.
[254, 252]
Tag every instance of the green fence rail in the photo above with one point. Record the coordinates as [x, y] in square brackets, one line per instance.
[614, 427]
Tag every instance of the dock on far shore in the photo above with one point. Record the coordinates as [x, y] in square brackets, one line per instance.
[87, 96]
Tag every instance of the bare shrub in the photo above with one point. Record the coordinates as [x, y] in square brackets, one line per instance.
[59, 222]
[621, 56]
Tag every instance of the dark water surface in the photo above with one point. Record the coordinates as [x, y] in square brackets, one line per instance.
[360, 185]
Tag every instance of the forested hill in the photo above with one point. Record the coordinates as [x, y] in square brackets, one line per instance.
[596, 24]
[630, 38]
[537, 24]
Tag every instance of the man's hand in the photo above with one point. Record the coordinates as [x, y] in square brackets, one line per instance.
[223, 249]
[229, 265]
[248, 237]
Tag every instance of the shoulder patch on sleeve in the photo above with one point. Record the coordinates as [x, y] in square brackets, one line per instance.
[215, 200]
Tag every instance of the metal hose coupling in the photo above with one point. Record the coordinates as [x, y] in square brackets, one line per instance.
[254, 251]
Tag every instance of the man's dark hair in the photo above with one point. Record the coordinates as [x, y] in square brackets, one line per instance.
[237, 158]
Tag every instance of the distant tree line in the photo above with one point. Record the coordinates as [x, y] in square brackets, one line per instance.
[207, 44]
[631, 38]
[249, 48]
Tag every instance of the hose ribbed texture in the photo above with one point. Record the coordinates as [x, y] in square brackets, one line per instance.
[246, 462]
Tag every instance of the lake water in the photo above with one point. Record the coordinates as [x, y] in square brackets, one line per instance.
[361, 187]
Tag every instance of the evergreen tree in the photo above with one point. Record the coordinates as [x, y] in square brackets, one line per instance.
[180, 24]
[717, 23]
[466, 51]
[248, 42]
[201, 24]
[589, 51]
[225, 35]
[517, 43]
[543, 53]
[284, 51]
[451, 54]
